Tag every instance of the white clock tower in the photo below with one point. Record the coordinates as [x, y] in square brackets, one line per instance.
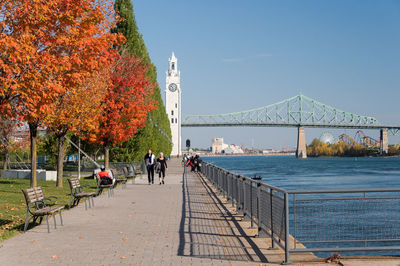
[173, 103]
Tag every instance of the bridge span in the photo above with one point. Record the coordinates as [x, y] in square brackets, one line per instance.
[299, 111]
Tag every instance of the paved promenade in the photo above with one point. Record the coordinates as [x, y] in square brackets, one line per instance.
[183, 222]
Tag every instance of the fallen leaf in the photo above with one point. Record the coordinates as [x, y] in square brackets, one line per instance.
[132, 254]
[34, 241]
[54, 257]
[80, 237]
[123, 257]
[133, 212]
[121, 233]
[124, 239]
[1, 246]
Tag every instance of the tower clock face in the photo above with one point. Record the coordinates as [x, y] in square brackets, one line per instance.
[172, 87]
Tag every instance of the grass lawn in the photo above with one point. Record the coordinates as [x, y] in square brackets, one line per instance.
[12, 202]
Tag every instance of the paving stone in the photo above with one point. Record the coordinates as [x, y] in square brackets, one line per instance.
[180, 223]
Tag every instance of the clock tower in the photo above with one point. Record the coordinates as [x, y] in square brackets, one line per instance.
[173, 103]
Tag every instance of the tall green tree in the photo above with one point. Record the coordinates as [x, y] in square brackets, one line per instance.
[149, 137]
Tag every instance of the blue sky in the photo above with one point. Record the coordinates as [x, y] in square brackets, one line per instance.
[238, 55]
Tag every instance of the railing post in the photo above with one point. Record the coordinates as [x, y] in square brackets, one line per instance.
[287, 244]
[272, 220]
[240, 195]
[251, 205]
[260, 232]
[232, 193]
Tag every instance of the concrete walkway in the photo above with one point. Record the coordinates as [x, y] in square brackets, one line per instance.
[183, 222]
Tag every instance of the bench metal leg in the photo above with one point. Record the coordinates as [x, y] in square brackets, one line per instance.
[55, 223]
[26, 222]
[48, 226]
[72, 201]
[61, 220]
[85, 203]
[92, 201]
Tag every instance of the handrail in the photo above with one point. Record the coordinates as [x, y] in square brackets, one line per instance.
[268, 208]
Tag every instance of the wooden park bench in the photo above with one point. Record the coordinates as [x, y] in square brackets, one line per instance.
[100, 187]
[37, 208]
[77, 194]
[129, 172]
[119, 179]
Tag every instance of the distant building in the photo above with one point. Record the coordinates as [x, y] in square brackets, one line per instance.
[218, 146]
[233, 149]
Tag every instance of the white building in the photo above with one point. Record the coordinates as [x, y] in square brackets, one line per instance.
[233, 149]
[173, 103]
[218, 146]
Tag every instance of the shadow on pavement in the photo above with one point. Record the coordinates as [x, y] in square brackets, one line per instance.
[208, 229]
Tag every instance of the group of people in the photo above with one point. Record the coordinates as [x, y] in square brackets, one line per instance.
[193, 161]
[155, 164]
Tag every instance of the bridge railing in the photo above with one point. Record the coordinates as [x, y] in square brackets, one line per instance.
[318, 220]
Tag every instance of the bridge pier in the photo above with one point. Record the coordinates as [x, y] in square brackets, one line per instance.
[384, 141]
[301, 151]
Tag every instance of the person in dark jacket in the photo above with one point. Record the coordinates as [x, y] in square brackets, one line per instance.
[163, 167]
[150, 160]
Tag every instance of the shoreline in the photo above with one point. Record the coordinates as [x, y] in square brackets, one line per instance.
[248, 154]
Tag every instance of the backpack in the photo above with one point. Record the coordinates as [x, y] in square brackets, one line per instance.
[157, 167]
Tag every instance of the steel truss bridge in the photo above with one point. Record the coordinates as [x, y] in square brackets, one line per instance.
[299, 111]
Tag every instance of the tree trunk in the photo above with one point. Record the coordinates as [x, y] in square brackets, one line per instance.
[79, 157]
[6, 158]
[60, 159]
[106, 155]
[33, 137]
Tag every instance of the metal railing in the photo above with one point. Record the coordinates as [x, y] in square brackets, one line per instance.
[318, 220]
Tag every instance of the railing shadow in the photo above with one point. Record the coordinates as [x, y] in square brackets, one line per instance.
[208, 230]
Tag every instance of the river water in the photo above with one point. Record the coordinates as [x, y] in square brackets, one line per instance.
[364, 219]
[290, 173]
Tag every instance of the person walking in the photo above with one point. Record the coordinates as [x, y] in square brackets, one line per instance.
[163, 167]
[149, 160]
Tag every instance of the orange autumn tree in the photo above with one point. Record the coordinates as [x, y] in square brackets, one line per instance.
[126, 105]
[85, 81]
[37, 65]
[77, 111]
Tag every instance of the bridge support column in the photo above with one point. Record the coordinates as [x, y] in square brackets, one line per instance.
[301, 151]
[384, 141]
